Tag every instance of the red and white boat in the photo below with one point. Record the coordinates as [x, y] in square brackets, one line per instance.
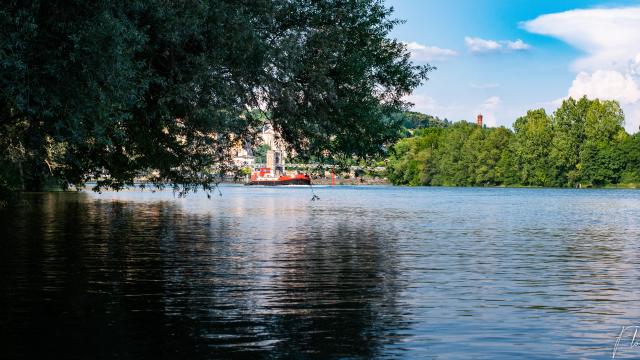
[265, 176]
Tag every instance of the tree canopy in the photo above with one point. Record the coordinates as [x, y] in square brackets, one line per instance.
[107, 90]
[582, 143]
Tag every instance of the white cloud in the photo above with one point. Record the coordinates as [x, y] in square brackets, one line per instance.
[492, 102]
[422, 103]
[428, 105]
[517, 45]
[606, 85]
[488, 109]
[477, 45]
[483, 46]
[421, 52]
[610, 38]
[632, 118]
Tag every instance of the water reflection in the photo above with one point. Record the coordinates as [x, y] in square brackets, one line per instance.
[337, 291]
[363, 273]
[85, 277]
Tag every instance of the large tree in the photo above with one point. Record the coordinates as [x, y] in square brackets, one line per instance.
[532, 141]
[112, 89]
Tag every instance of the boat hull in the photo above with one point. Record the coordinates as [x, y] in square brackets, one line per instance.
[280, 182]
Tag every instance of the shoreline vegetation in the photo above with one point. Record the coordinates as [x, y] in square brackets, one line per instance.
[115, 92]
[581, 145]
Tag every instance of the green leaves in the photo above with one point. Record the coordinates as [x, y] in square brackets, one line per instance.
[584, 143]
[133, 87]
[458, 155]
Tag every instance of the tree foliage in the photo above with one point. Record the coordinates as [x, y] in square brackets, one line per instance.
[412, 120]
[107, 90]
[583, 143]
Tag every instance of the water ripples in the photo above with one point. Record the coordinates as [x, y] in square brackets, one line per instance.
[365, 272]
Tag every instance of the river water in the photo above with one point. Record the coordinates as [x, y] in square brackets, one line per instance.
[365, 272]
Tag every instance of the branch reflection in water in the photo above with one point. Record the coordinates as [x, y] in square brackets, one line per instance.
[387, 272]
[89, 277]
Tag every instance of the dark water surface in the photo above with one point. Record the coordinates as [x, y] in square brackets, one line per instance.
[371, 272]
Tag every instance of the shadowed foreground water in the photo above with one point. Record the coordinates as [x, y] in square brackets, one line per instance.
[386, 272]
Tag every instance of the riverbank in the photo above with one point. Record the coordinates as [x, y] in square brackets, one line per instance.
[350, 181]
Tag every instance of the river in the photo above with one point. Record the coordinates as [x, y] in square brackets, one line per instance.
[364, 272]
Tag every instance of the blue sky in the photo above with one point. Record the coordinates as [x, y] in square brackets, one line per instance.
[503, 57]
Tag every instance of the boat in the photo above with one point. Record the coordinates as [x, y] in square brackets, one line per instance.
[265, 176]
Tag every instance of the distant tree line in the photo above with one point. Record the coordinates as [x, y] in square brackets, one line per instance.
[582, 144]
[411, 121]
